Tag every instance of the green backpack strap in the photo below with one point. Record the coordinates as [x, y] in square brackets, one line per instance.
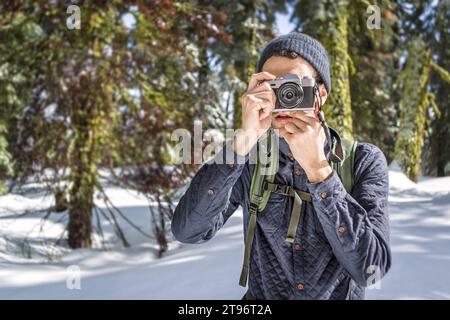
[258, 198]
[264, 170]
[345, 168]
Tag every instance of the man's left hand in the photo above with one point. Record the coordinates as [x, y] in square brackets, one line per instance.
[306, 138]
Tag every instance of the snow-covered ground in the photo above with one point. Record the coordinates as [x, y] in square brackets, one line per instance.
[420, 240]
[420, 237]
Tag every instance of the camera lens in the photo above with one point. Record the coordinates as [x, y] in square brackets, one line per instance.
[290, 95]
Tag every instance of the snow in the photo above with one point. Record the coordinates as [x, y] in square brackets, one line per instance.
[420, 239]
[35, 269]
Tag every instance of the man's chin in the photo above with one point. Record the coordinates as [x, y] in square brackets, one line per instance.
[279, 123]
[278, 130]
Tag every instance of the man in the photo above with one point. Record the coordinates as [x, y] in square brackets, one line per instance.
[342, 241]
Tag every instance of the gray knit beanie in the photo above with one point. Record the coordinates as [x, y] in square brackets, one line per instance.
[305, 46]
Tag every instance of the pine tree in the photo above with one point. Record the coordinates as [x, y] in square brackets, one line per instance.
[374, 52]
[418, 100]
[413, 106]
[88, 76]
[438, 142]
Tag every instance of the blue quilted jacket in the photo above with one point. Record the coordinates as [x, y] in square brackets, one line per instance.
[342, 240]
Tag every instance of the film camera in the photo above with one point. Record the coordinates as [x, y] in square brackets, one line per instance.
[293, 93]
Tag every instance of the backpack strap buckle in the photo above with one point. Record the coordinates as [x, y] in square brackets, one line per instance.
[253, 208]
[277, 188]
[286, 190]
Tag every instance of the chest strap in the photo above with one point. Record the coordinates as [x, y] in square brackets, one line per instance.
[300, 197]
[286, 190]
[297, 209]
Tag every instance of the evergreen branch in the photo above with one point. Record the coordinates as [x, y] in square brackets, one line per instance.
[444, 74]
[432, 100]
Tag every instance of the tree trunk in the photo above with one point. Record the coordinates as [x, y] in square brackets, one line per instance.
[5, 159]
[83, 164]
[203, 70]
[338, 106]
[440, 133]
[246, 65]
[81, 193]
[413, 109]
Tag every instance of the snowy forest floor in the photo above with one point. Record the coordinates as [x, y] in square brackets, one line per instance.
[33, 269]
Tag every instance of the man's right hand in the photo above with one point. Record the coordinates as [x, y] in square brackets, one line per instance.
[257, 105]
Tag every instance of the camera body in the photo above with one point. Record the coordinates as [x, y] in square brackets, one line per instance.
[293, 93]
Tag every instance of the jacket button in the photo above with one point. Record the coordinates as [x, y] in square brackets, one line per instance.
[300, 286]
[290, 155]
[324, 195]
[342, 230]
[210, 191]
[298, 172]
[297, 247]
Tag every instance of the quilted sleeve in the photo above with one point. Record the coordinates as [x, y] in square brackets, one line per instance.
[357, 224]
[214, 194]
